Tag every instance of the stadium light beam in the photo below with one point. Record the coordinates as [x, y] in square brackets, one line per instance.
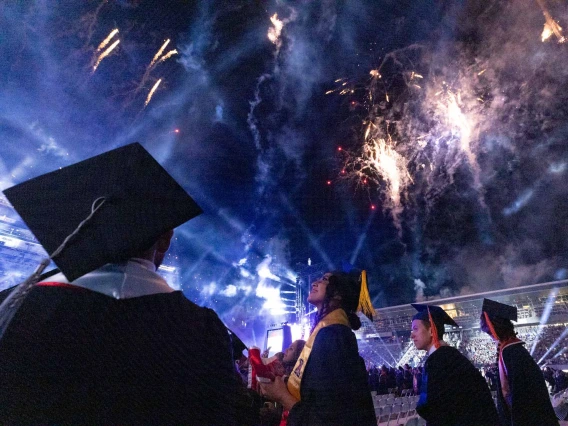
[557, 341]
[313, 240]
[545, 315]
[361, 239]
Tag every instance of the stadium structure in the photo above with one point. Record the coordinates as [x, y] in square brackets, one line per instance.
[542, 324]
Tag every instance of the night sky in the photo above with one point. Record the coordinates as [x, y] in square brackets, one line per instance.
[268, 136]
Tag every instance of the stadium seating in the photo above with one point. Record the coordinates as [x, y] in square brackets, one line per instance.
[395, 411]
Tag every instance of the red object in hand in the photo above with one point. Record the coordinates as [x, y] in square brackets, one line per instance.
[264, 368]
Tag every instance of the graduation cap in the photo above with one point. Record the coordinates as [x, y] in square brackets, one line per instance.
[104, 209]
[237, 345]
[355, 291]
[128, 198]
[436, 316]
[495, 309]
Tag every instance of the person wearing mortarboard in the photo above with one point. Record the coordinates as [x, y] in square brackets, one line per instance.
[328, 385]
[107, 341]
[522, 397]
[453, 392]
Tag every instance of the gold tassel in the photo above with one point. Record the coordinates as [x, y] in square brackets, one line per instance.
[365, 304]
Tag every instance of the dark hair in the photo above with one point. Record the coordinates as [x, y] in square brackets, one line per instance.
[289, 366]
[298, 351]
[503, 327]
[347, 287]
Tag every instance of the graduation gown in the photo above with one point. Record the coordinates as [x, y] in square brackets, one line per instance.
[528, 403]
[75, 356]
[334, 388]
[453, 392]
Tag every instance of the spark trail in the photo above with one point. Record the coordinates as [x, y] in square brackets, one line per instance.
[105, 54]
[107, 40]
[168, 55]
[157, 59]
[550, 26]
[151, 93]
[158, 54]
[275, 36]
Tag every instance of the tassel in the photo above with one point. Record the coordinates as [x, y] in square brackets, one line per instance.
[365, 304]
[435, 336]
[12, 303]
[490, 325]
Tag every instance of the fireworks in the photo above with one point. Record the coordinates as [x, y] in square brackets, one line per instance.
[157, 59]
[107, 40]
[379, 162]
[431, 135]
[550, 26]
[275, 31]
[151, 93]
[168, 55]
[456, 120]
[159, 53]
[105, 54]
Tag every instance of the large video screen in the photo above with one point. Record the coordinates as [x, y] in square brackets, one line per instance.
[274, 340]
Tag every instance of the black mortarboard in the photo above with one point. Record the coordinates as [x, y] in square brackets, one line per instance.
[439, 316]
[141, 202]
[237, 345]
[496, 309]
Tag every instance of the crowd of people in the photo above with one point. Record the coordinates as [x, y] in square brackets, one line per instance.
[389, 380]
[479, 348]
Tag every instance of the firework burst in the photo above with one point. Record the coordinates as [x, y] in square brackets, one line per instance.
[378, 162]
[430, 135]
[275, 31]
[550, 26]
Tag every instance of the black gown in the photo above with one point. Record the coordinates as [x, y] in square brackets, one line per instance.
[453, 392]
[334, 388]
[74, 356]
[528, 399]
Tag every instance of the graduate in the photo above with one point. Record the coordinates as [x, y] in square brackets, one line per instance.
[522, 397]
[107, 340]
[328, 384]
[453, 392]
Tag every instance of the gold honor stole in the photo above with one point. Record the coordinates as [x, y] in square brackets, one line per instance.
[338, 316]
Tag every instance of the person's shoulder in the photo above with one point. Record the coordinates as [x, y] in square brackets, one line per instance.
[5, 293]
[336, 330]
[446, 350]
[516, 352]
[515, 347]
[177, 301]
[446, 355]
[333, 334]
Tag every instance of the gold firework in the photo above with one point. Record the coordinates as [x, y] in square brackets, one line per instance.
[151, 93]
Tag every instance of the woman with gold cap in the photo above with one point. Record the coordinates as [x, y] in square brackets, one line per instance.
[453, 392]
[328, 384]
